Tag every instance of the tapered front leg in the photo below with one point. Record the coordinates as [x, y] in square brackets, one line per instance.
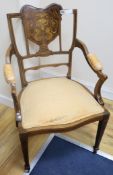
[24, 145]
[100, 131]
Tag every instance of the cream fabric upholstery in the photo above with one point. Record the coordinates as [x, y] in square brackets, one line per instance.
[94, 61]
[8, 72]
[56, 101]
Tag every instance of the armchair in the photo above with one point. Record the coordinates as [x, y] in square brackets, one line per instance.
[52, 104]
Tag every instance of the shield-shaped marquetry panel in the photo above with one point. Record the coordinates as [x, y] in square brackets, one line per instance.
[41, 25]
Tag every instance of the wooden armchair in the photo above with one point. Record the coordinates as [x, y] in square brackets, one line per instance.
[53, 104]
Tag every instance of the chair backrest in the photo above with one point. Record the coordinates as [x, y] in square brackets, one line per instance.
[41, 26]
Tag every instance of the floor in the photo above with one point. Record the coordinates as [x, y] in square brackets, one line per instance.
[11, 160]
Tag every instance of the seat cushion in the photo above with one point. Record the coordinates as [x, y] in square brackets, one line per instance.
[56, 101]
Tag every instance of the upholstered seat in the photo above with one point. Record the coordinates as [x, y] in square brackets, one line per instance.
[56, 101]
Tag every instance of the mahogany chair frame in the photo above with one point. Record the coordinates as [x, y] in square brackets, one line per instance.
[44, 51]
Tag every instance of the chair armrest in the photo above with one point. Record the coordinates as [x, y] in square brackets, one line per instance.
[96, 66]
[8, 71]
[9, 75]
[10, 78]
[94, 62]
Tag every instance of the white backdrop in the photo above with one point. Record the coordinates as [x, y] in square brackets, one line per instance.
[31, 2]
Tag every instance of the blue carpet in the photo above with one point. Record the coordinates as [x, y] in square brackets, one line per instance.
[64, 158]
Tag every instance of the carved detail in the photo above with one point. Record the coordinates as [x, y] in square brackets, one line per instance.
[41, 25]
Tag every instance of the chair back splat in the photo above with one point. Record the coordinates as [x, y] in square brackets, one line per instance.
[41, 26]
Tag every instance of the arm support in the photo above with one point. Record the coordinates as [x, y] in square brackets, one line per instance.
[96, 66]
[94, 62]
[10, 78]
[9, 75]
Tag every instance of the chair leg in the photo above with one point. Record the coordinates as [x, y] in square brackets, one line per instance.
[100, 131]
[24, 145]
